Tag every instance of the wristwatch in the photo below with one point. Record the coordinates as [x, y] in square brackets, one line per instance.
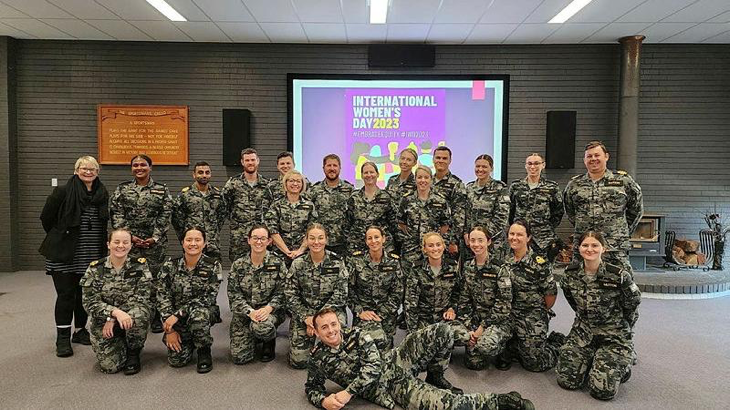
[110, 319]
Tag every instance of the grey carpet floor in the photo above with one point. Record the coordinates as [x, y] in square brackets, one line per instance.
[684, 363]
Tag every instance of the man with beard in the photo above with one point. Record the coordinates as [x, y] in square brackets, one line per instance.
[452, 189]
[247, 197]
[330, 200]
[201, 205]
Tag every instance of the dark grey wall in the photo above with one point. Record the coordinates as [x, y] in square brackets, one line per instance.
[8, 157]
[60, 83]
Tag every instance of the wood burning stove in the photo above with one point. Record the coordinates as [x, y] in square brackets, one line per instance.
[647, 240]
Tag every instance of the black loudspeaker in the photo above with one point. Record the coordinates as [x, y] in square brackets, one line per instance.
[401, 55]
[560, 140]
[236, 135]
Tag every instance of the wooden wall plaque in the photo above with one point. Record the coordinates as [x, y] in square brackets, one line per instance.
[159, 131]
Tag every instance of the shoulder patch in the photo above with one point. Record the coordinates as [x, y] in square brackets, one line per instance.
[186, 189]
[141, 260]
[357, 253]
[394, 255]
[94, 263]
[622, 172]
[540, 260]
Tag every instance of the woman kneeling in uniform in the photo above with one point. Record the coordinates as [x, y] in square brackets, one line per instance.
[186, 291]
[116, 293]
[606, 302]
[376, 288]
[256, 297]
[317, 279]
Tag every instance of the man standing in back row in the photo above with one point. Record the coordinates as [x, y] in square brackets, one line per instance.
[330, 197]
[604, 201]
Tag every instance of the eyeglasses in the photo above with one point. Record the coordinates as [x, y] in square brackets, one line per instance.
[533, 164]
[259, 239]
[84, 169]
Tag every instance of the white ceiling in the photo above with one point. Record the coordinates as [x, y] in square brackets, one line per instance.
[346, 21]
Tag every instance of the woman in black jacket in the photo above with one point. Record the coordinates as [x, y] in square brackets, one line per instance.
[75, 218]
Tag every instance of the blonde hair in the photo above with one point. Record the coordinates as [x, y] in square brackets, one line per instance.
[410, 151]
[289, 175]
[429, 235]
[86, 160]
[424, 169]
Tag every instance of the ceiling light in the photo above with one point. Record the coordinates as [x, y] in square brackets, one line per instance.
[167, 10]
[378, 11]
[569, 10]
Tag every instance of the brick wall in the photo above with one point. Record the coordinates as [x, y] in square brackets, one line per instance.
[61, 82]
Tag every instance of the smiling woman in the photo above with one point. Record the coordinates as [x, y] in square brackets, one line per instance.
[74, 217]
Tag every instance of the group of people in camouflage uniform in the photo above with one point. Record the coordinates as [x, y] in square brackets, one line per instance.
[312, 253]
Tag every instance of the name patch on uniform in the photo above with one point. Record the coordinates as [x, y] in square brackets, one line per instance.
[330, 271]
[203, 273]
[132, 274]
[609, 285]
[306, 207]
[489, 275]
[270, 268]
[614, 182]
[448, 276]
[437, 205]
[157, 191]
[387, 268]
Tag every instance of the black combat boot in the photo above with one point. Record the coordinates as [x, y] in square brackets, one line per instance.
[133, 365]
[438, 380]
[626, 375]
[268, 350]
[503, 361]
[63, 342]
[205, 360]
[513, 400]
[81, 337]
[156, 323]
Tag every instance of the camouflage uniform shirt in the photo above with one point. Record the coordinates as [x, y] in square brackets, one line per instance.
[487, 206]
[246, 205]
[398, 189]
[180, 290]
[311, 287]
[486, 295]
[421, 217]
[375, 287]
[253, 287]
[290, 220]
[105, 289]
[331, 205]
[363, 212]
[541, 207]
[532, 279]
[144, 210]
[605, 305]
[613, 205]
[207, 211]
[451, 188]
[428, 296]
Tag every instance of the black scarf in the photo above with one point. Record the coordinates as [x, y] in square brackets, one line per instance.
[78, 198]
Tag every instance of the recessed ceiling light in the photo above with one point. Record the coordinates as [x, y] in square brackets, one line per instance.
[166, 10]
[378, 11]
[569, 10]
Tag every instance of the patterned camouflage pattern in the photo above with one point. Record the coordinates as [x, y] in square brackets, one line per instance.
[331, 206]
[254, 287]
[421, 217]
[189, 295]
[105, 289]
[145, 211]
[208, 211]
[600, 342]
[391, 378]
[485, 300]
[429, 295]
[541, 207]
[613, 205]
[398, 189]
[377, 288]
[246, 205]
[488, 206]
[532, 280]
[309, 288]
[451, 188]
[363, 212]
[290, 221]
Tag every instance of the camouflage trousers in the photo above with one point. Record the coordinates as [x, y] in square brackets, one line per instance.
[155, 258]
[112, 353]
[194, 333]
[490, 344]
[239, 240]
[427, 349]
[245, 333]
[529, 342]
[300, 344]
[381, 332]
[603, 363]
